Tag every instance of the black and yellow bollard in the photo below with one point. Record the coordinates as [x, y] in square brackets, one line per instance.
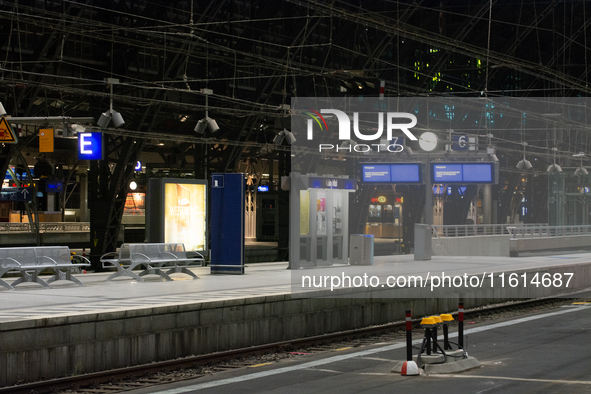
[428, 323]
[446, 318]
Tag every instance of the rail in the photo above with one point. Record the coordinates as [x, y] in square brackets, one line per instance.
[45, 227]
[548, 231]
[470, 230]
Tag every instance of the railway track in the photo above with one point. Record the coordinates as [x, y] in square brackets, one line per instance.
[141, 376]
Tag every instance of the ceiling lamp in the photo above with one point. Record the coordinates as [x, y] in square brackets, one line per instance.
[554, 168]
[111, 114]
[206, 122]
[523, 163]
[284, 135]
[581, 170]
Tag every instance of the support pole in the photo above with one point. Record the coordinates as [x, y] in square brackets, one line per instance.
[487, 204]
[434, 332]
[461, 325]
[408, 335]
[446, 345]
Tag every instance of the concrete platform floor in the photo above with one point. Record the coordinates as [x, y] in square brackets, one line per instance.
[31, 301]
[540, 353]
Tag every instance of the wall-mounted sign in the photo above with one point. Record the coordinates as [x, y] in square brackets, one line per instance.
[7, 136]
[263, 189]
[392, 173]
[138, 166]
[455, 173]
[16, 194]
[90, 146]
[45, 140]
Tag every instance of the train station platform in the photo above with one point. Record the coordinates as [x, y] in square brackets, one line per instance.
[47, 333]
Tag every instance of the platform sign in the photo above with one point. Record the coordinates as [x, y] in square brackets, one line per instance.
[16, 194]
[217, 181]
[7, 135]
[90, 146]
[460, 142]
[46, 140]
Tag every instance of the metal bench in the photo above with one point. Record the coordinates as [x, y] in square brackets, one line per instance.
[161, 259]
[29, 262]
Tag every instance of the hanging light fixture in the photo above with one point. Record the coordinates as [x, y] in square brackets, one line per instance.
[206, 122]
[523, 162]
[111, 114]
[581, 170]
[284, 135]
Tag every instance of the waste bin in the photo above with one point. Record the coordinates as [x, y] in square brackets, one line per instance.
[361, 249]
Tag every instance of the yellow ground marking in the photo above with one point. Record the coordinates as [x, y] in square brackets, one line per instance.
[259, 365]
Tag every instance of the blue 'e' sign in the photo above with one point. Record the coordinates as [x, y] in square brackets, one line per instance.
[90, 146]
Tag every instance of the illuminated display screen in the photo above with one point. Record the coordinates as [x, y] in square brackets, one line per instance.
[377, 173]
[463, 173]
[263, 189]
[392, 173]
[184, 215]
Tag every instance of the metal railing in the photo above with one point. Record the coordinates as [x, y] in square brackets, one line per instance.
[471, 230]
[548, 231]
[45, 227]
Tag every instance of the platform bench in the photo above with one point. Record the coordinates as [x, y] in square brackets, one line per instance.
[29, 261]
[161, 259]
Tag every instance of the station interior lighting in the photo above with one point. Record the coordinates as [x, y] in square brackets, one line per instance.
[581, 170]
[132, 185]
[204, 124]
[554, 168]
[408, 151]
[111, 114]
[523, 163]
[284, 134]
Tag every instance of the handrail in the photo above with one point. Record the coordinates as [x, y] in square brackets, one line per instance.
[548, 231]
[470, 230]
[45, 227]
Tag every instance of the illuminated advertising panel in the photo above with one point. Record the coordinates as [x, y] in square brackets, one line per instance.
[480, 173]
[184, 214]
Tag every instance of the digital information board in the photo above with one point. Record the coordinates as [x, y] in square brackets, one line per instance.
[392, 173]
[461, 173]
